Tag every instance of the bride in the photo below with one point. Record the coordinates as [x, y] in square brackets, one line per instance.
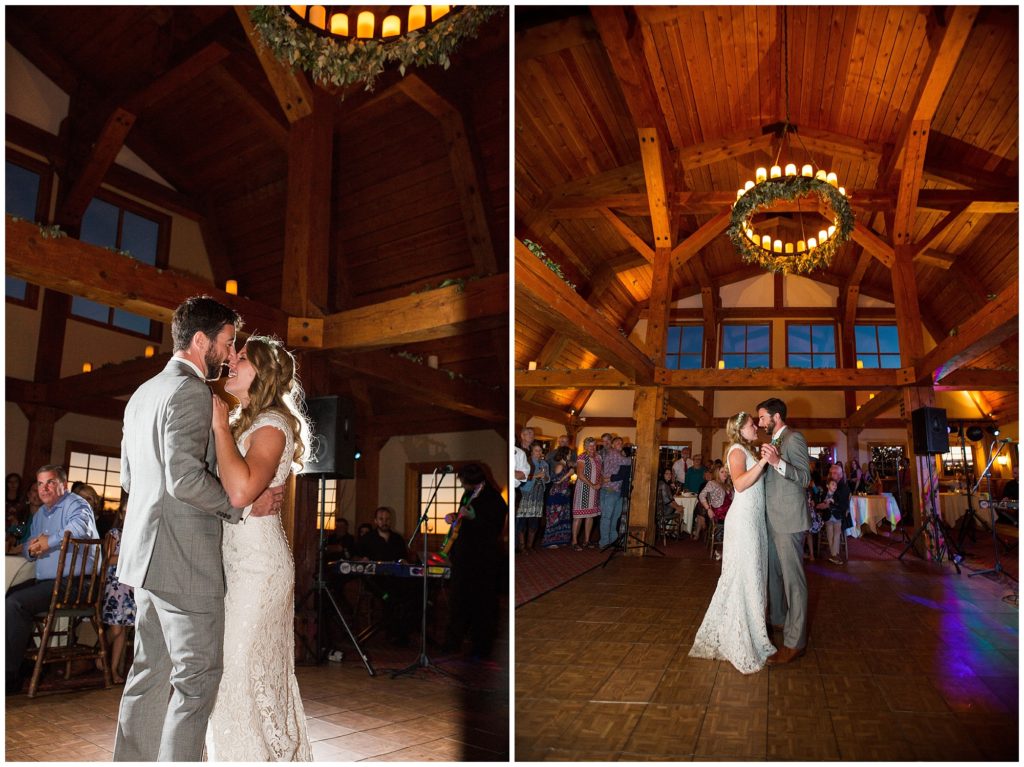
[258, 716]
[734, 626]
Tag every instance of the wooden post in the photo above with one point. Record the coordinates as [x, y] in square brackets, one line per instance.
[39, 445]
[852, 442]
[648, 412]
[368, 478]
[661, 301]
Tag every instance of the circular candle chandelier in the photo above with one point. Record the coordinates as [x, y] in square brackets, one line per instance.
[383, 23]
[815, 246]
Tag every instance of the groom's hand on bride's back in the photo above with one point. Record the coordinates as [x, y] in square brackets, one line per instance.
[268, 503]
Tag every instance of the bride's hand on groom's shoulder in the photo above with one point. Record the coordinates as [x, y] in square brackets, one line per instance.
[220, 413]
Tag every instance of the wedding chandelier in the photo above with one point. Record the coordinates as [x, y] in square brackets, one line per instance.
[382, 23]
[815, 247]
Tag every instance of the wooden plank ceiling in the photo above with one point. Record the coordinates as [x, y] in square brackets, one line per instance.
[710, 79]
[419, 174]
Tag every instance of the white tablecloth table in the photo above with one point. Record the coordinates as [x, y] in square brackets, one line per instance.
[689, 503]
[952, 506]
[870, 510]
[19, 570]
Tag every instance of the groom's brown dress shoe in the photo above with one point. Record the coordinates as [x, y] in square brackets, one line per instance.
[785, 655]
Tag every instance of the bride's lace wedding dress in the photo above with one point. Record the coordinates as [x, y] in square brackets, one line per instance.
[734, 626]
[258, 716]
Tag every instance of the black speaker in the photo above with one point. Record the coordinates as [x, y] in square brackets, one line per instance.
[931, 435]
[334, 443]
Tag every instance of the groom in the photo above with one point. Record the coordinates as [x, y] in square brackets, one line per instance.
[786, 500]
[171, 547]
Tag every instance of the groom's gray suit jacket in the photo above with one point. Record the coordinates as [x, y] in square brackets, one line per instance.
[786, 496]
[172, 531]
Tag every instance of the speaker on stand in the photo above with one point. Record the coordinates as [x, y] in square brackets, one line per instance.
[332, 453]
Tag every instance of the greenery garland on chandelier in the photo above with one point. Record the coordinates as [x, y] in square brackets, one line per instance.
[340, 64]
[790, 188]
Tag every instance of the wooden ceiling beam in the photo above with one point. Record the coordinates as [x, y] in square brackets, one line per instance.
[628, 235]
[566, 311]
[270, 122]
[549, 353]
[979, 379]
[838, 379]
[427, 316]
[88, 172]
[689, 407]
[434, 387]
[71, 266]
[110, 380]
[989, 327]
[723, 149]
[294, 92]
[525, 410]
[874, 407]
[950, 219]
[189, 66]
[699, 239]
[591, 378]
[874, 244]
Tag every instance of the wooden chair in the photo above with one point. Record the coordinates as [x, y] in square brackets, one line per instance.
[716, 535]
[844, 547]
[669, 527]
[77, 598]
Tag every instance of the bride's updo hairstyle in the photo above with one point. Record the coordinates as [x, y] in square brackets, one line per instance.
[732, 432]
[275, 387]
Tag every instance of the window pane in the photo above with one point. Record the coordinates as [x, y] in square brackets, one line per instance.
[888, 339]
[733, 361]
[129, 321]
[99, 224]
[693, 339]
[824, 360]
[823, 338]
[672, 362]
[799, 360]
[139, 237]
[733, 338]
[758, 338]
[75, 474]
[22, 189]
[674, 334]
[83, 307]
[799, 338]
[16, 288]
[869, 360]
[864, 336]
[757, 360]
[689, 362]
[890, 360]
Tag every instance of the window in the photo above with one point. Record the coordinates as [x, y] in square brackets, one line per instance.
[952, 461]
[27, 190]
[327, 494]
[96, 466]
[746, 345]
[886, 458]
[449, 493]
[685, 347]
[122, 225]
[669, 454]
[820, 453]
[877, 346]
[810, 345]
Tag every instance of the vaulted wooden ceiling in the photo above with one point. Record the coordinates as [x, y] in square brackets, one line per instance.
[412, 177]
[707, 81]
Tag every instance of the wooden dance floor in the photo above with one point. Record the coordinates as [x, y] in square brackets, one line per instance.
[906, 661]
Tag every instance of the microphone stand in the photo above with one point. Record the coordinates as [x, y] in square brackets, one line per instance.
[994, 451]
[423, 661]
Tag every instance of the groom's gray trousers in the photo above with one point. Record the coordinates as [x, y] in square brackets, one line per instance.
[179, 642]
[787, 586]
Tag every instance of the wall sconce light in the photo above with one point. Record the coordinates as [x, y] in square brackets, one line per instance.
[860, 364]
[231, 287]
[432, 361]
[531, 365]
[86, 367]
[1003, 460]
[150, 351]
[721, 364]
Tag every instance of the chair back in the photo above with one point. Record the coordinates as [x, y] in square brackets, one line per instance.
[80, 574]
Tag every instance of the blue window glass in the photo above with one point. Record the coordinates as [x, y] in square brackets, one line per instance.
[746, 346]
[888, 339]
[877, 346]
[684, 347]
[799, 340]
[90, 310]
[99, 224]
[823, 338]
[810, 346]
[21, 187]
[16, 288]
[799, 360]
[140, 237]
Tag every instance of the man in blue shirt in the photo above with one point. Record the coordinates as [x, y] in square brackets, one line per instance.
[60, 511]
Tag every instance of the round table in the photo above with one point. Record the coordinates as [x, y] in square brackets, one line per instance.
[689, 503]
[870, 510]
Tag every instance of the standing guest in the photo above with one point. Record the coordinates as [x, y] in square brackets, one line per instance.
[854, 476]
[562, 442]
[558, 510]
[833, 508]
[681, 466]
[695, 475]
[531, 501]
[60, 512]
[585, 502]
[118, 603]
[476, 558]
[521, 458]
[611, 492]
[714, 500]
[814, 495]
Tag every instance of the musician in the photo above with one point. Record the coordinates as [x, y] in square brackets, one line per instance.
[476, 559]
[382, 544]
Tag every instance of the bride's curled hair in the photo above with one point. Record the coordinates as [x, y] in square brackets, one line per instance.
[275, 387]
[732, 432]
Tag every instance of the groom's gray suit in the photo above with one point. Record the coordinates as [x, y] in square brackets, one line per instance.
[171, 554]
[786, 501]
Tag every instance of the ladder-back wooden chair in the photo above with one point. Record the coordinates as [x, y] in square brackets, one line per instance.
[77, 598]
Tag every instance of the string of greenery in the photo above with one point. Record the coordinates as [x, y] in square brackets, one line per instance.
[340, 64]
[789, 188]
[554, 266]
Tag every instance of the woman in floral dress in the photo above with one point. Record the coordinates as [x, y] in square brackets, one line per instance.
[585, 504]
[531, 502]
[558, 510]
[118, 604]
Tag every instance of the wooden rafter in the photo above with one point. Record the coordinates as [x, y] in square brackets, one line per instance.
[293, 91]
[592, 378]
[873, 408]
[784, 378]
[688, 406]
[873, 243]
[628, 234]
[704, 234]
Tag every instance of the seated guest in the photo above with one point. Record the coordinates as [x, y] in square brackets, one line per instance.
[695, 475]
[477, 559]
[667, 509]
[1011, 490]
[382, 544]
[872, 482]
[60, 511]
[713, 502]
[339, 543]
[362, 530]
